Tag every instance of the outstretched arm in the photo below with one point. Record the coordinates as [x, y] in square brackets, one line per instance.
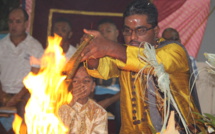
[107, 102]
[100, 47]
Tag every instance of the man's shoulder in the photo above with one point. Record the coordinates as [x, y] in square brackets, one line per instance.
[5, 42]
[170, 45]
[72, 49]
[32, 40]
[165, 43]
[5, 39]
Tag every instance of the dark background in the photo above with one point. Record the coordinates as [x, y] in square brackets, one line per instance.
[41, 13]
[79, 22]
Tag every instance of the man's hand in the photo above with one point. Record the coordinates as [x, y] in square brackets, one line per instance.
[97, 48]
[100, 47]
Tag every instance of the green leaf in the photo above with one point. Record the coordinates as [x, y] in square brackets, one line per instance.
[213, 123]
[199, 114]
[210, 116]
[202, 121]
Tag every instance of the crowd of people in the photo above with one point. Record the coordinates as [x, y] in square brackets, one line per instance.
[108, 78]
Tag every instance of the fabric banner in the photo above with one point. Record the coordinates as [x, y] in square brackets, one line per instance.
[190, 21]
[167, 7]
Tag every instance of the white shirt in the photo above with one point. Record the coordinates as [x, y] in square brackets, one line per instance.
[70, 52]
[14, 62]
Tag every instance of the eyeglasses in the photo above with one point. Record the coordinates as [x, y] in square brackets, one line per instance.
[138, 31]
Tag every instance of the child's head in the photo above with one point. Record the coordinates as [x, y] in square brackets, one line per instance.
[84, 81]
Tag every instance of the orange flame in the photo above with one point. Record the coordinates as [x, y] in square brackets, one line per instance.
[48, 92]
[17, 123]
[18, 126]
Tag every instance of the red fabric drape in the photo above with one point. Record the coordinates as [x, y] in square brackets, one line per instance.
[190, 21]
[167, 7]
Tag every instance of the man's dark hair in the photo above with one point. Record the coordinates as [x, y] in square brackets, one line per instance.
[105, 20]
[63, 20]
[141, 7]
[24, 12]
[174, 33]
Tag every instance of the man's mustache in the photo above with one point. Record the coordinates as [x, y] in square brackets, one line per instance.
[134, 42]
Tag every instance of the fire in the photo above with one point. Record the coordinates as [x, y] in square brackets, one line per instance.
[48, 92]
[18, 126]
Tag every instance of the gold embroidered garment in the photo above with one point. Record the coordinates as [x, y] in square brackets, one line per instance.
[90, 118]
[134, 107]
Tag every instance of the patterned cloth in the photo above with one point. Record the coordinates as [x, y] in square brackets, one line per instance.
[89, 118]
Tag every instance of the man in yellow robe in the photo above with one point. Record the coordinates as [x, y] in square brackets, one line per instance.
[141, 100]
